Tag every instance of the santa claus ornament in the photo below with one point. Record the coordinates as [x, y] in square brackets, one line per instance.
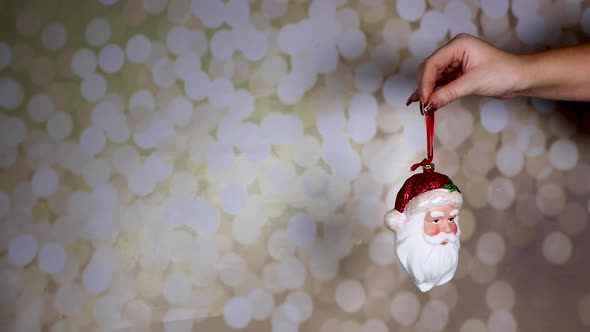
[425, 221]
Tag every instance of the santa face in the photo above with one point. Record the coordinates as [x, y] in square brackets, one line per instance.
[441, 220]
[427, 247]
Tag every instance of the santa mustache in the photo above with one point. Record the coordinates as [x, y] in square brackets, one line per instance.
[440, 238]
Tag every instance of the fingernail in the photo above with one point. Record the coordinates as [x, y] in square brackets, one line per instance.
[409, 101]
[434, 104]
[430, 108]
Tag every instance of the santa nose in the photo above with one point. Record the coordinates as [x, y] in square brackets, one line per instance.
[445, 227]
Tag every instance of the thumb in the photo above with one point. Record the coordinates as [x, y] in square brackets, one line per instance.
[460, 87]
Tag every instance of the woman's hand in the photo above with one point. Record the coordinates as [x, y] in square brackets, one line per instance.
[468, 66]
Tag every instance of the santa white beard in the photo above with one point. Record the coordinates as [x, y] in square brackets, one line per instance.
[423, 257]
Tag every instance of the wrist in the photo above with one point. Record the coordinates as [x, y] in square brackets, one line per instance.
[528, 74]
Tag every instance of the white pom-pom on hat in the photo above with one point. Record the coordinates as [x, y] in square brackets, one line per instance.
[394, 220]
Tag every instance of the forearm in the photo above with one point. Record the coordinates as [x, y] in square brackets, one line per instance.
[562, 74]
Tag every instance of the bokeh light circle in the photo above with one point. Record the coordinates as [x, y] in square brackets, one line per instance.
[557, 248]
[405, 308]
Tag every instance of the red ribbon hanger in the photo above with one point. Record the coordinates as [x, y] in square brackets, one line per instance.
[429, 118]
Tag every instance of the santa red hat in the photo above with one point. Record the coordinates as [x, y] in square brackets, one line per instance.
[420, 193]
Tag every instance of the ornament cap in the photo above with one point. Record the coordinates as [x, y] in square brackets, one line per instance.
[428, 167]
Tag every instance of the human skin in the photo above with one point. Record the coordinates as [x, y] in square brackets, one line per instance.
[467, 66]
[441, 219]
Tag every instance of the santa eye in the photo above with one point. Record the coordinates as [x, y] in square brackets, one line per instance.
[452, 219]
[435, 221]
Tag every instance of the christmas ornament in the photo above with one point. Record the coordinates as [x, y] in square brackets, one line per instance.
[425, 220]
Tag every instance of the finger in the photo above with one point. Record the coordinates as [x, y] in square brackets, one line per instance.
[447, 78]
[461, 87]
[414, 97]
[436, 64]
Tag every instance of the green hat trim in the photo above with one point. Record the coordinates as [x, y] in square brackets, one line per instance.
[450, 187]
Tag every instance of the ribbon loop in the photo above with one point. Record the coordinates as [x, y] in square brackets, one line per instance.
[429, 118]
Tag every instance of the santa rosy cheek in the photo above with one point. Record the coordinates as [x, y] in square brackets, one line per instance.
[432, 230]
[453, 228]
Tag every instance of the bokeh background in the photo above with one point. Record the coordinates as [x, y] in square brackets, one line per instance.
[219, 165]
